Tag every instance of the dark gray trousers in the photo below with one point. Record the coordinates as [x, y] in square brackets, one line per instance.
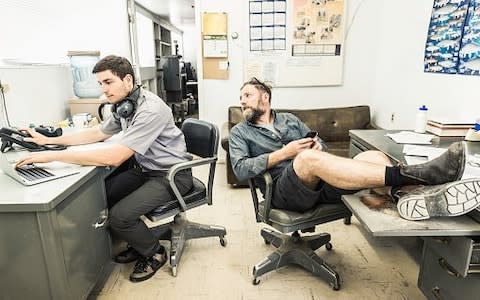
[132, 193]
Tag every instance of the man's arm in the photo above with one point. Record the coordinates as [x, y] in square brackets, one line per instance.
[246, 167]
[111, 156]
[289, 151]
[87, 136]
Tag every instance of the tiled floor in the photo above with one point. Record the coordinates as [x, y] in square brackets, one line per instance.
[369, 268]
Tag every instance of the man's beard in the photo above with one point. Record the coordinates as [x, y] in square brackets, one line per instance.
[252, 115]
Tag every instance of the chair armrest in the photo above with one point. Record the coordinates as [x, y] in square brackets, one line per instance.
[182, 166]
[268, 196]
[225, 135]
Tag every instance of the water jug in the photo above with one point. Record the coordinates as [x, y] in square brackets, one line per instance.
[85, 84]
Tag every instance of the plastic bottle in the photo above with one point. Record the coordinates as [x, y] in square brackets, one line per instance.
[85, 84]
[421, 119]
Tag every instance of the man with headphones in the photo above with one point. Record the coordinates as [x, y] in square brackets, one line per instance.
[149, 146]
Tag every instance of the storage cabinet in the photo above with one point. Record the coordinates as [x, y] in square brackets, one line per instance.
[439, 280]
[56, 253]
[163, 47]
[461, 254]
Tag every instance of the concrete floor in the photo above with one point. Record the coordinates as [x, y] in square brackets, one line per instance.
[369, 268]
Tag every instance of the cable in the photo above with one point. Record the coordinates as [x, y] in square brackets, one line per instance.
[353, 18]
[3, 105]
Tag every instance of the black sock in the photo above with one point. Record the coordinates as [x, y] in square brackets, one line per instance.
[161, 250]
[395, 193]
[393, 176]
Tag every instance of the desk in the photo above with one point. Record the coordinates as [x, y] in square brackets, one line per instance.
[53, 244]
[449, 243]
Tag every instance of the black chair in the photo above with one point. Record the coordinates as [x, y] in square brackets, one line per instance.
[202, 140]
[295, 249]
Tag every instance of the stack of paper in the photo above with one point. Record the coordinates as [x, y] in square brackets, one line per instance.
[448, 128]
[409, 137]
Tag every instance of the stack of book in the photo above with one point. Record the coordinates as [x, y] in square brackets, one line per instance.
[448, 128]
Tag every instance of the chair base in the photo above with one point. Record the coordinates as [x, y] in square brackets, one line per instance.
[180, 230]
[297, 250]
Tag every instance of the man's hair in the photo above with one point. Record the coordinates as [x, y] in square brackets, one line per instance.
[120, 66]
[261, 86]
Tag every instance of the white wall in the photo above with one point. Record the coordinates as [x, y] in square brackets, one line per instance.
[191, 44]
[145, 41]
[359, 67]
[43, 31]
[401, 86]
[383, 68]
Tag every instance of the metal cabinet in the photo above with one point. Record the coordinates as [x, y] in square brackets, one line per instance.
[438, 279]
[58, 253]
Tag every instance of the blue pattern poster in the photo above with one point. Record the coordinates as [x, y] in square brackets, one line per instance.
[453, 41]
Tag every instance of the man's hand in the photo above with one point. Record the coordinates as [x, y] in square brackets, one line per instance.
[37, 138]
[41, 157]
[317, 146]
[294, 147]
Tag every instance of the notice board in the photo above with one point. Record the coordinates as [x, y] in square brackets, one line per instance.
[215, 45]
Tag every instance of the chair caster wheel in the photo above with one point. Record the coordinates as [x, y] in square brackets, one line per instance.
[328, 246]
[223, 241]
[335, 286]
[256, 281]
[267, 242]
[347, 221]
[174, 271]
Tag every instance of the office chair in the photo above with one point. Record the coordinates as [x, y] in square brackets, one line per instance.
[295, 249]
[202, 139]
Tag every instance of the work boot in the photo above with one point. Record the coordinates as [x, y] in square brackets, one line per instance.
[127, 256]
[446, 168]
[146, 267]
[446, 200]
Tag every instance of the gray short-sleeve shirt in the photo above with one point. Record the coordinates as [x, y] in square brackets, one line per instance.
[151, 133]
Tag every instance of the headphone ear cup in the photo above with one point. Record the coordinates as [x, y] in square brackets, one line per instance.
[125, 109]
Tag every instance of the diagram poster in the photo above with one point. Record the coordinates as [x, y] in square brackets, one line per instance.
[453, 41]
[318, 27]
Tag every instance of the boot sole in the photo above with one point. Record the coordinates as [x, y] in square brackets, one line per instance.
[453, 199]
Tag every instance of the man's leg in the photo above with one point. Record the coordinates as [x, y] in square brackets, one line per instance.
[312, 166]
[121, 182]
[125, 221]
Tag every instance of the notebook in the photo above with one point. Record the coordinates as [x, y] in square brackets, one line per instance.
[31, 174]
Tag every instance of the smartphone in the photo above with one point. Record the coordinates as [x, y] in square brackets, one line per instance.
[311, 134]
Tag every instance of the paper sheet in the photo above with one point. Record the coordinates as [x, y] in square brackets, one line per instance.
[409, 137]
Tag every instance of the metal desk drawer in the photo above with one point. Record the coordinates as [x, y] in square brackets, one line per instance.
[437, 281]
[462, 254]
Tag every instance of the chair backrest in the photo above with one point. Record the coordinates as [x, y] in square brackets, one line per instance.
[201, 137]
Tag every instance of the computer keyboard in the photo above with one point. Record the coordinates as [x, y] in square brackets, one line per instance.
[33, 173]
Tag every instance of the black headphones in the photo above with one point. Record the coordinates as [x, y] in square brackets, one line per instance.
[127, 106]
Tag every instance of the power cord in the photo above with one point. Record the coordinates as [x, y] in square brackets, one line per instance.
[353, 18]
[3, 104]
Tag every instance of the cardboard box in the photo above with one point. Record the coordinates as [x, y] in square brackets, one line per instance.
[85, 105]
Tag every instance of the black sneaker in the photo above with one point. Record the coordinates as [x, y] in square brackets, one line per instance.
[146, 267]
[127, 256]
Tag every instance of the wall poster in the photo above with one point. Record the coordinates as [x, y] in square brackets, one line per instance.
[296, 43]
[268, 21]
[453, 40]
[318, 27]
